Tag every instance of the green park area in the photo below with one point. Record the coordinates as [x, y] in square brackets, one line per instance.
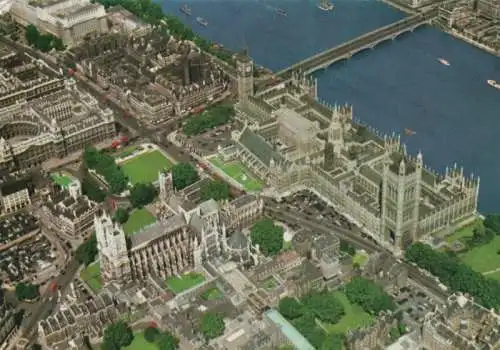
[138, 219]
[485, 257]
[237, 171]
[184, 282]
[62, 179]
[140, 343]
[359, 258]
[144, 168]
[462, 234]
[354, 317]
[212, 294]
[92, 276]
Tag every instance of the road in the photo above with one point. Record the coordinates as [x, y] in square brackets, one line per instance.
[48, 300]
[354, 237]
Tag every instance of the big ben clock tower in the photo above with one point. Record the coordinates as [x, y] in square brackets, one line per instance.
[244, 66]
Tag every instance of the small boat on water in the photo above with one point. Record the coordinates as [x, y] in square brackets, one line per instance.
[409, 132]
[281, 12]
[493, 83]
[444, 62]
[326, 5]
[201, 21]
[185, 9]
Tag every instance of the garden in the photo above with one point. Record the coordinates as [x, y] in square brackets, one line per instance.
[238, 172]
[184, 282]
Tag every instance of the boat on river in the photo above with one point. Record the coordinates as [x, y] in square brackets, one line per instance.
[326, 5]
[281, 12]
[444, 62]
[493, 83]
[201, 21]
[185, 9]
[409, 132]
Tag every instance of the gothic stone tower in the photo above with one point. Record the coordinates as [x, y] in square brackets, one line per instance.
[112, 247]
[244, 67]
[400, 197]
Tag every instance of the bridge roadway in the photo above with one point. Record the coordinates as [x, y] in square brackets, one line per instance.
[364, 42]
[354, 237]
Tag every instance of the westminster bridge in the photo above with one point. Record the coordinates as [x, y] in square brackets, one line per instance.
[367, 41]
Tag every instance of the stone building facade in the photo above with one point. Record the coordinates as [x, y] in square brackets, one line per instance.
[70, 20]
[371, 178]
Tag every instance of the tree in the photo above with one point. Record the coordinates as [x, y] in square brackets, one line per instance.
[216, 190]
[142, 194]
[183, 175]
[268, 236]
[371, 297]
[333, 342]
[324, 306]
[347, 248]
[212, 325]
[32, 34]
[457, 276]
[121, 215]
[290, 308]
[116, 336]
[27, 291]
[151, 334]
[167, 341]
[58, 44]
[492, 221]
[209, 119]
[105, 165]
[87, 251]
[92, 191]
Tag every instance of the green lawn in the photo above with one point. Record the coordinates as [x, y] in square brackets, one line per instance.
[238, 172]
[484, 258]
[145, 167]
[462, 233]
[494, 275]
[62, 179]
[92, 276]
[138, 219]
[354, 317]
[270, 283]
[359, 258]
[184, 282]
[127, 151]
[212, 294]
[140, 343]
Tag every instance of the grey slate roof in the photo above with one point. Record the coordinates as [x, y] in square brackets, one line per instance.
[237, 241]
[256, 145]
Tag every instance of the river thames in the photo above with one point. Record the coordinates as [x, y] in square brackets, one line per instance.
[398, 85]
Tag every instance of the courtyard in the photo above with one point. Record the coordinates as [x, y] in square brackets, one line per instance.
[355, 317]
[62, 179]
[91, 275]
[137, 220]
[238, 172]
[184, 282]
[140, 343]
[484, 258]
[144, 168]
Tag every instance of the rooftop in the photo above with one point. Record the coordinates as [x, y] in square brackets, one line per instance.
[297, 339]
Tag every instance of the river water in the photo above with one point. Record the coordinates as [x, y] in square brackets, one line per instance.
[398, 85]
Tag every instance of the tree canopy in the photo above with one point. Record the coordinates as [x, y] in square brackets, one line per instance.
[116, 336]
[457, 276]
[27, 291]
[212, 325]
[370, 296]
[333, 342]
[42, 42]
[183, 175]
[87, 251]
[121, 215]
[216, 190]
[92, 191]
[268, 236]
[142, 194]
[167, 341]
[324, 306]
[290, 308]
[105, 165]
[151, 334]
[492, 221]
[209, 119]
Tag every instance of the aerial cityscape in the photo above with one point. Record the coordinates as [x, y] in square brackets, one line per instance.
[172, 180]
